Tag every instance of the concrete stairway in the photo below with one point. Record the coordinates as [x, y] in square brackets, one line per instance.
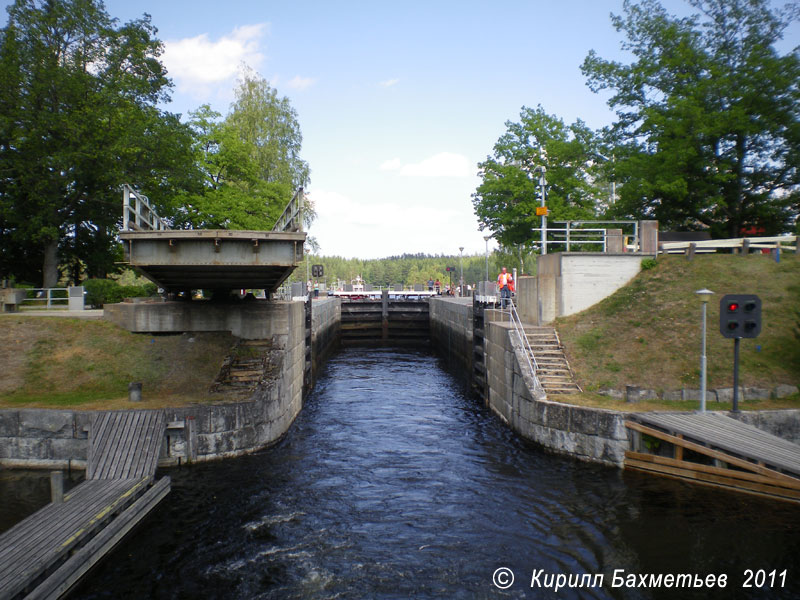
[553, 370]
[245, 367]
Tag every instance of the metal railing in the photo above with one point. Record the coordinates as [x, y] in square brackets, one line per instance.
[46, 298]
[519, 330]
[292, 217]
[574, 233]
[138, 214]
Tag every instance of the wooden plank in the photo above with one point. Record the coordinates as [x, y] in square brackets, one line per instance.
[39, 552]
[666, 425]
[51, 519]
[708, 451]
[61, 525]
[731, 473]
[714, 480]
[731, 435]
[68, 574]
[126, 432]
[97, 437]
[140, 461]
[127, 453]
[107, 445]
[153, 445]
[120, 458]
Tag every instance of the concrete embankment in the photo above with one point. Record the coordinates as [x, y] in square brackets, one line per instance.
[58, 438]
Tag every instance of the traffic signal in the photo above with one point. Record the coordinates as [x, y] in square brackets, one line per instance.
[317, 271]
[740, 316]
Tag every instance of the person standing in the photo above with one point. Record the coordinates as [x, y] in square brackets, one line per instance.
[505, 282]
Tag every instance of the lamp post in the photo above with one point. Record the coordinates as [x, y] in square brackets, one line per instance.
[308, 275]
[542, 170]
[461, 265]
[705, 296]
[486, 239]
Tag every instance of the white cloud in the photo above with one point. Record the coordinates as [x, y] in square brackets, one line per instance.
[388, 83]
[300, 83]
[198, 63]
[443, 164]
[393, 164]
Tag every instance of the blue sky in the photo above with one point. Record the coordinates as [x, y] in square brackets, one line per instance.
[397, 102]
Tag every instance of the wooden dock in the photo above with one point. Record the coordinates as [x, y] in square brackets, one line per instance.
[715, 450]
[47, 553]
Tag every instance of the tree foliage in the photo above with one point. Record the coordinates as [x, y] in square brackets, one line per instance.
[78, 117]
[408, 269]
[708, 134]
[250, 161]
[506, 200]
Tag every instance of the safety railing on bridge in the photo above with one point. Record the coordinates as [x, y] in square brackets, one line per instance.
[292, 218]
[138, 214]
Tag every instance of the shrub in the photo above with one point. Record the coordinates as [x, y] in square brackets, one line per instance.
[649, 263]
[108, 291]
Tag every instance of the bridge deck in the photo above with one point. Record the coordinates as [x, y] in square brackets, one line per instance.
[724, 452]
[44, 555]
[211, 259]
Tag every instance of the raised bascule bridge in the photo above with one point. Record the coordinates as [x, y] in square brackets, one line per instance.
[179, 260]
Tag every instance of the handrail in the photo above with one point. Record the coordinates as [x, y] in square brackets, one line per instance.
[137, 213]
[292, 217]
[526, 346]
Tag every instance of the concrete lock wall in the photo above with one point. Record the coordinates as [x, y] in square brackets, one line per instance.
[34, 438]
[590, 434]
[451, 330]
[566, 284]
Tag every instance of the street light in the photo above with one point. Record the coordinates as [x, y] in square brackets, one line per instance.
[613, 183]
[461, 264]
[486, 239]
[705, 296]
[542, 170]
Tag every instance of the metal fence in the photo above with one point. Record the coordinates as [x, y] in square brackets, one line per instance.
[292, 218]
[138, 214]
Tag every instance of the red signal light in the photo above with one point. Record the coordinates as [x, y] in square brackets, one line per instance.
[733, 306]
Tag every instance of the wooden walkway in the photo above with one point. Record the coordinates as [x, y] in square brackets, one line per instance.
[47, 553]
[717, 450]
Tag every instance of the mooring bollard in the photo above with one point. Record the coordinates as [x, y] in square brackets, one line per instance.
[56, 487]
[135, 392]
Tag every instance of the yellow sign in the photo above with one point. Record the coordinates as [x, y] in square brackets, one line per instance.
[541, 211]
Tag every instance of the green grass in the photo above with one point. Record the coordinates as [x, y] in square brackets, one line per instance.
[649, 332]
[61, 362]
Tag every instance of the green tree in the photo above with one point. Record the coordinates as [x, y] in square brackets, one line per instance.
[708, 134]
[78, 118]
[506, 200]
[268, 126]
[232, 194]
[250, 161]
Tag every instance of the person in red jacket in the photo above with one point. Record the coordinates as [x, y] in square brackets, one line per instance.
[505, 282]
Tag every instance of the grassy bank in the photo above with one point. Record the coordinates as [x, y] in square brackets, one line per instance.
[649, 332]
[61, 362]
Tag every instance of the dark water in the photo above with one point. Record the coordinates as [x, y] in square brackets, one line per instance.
[393, 483]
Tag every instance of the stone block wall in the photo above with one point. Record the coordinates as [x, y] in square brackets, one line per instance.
[326, 328]
[586, 433]
[58, 438]
[451, 330]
